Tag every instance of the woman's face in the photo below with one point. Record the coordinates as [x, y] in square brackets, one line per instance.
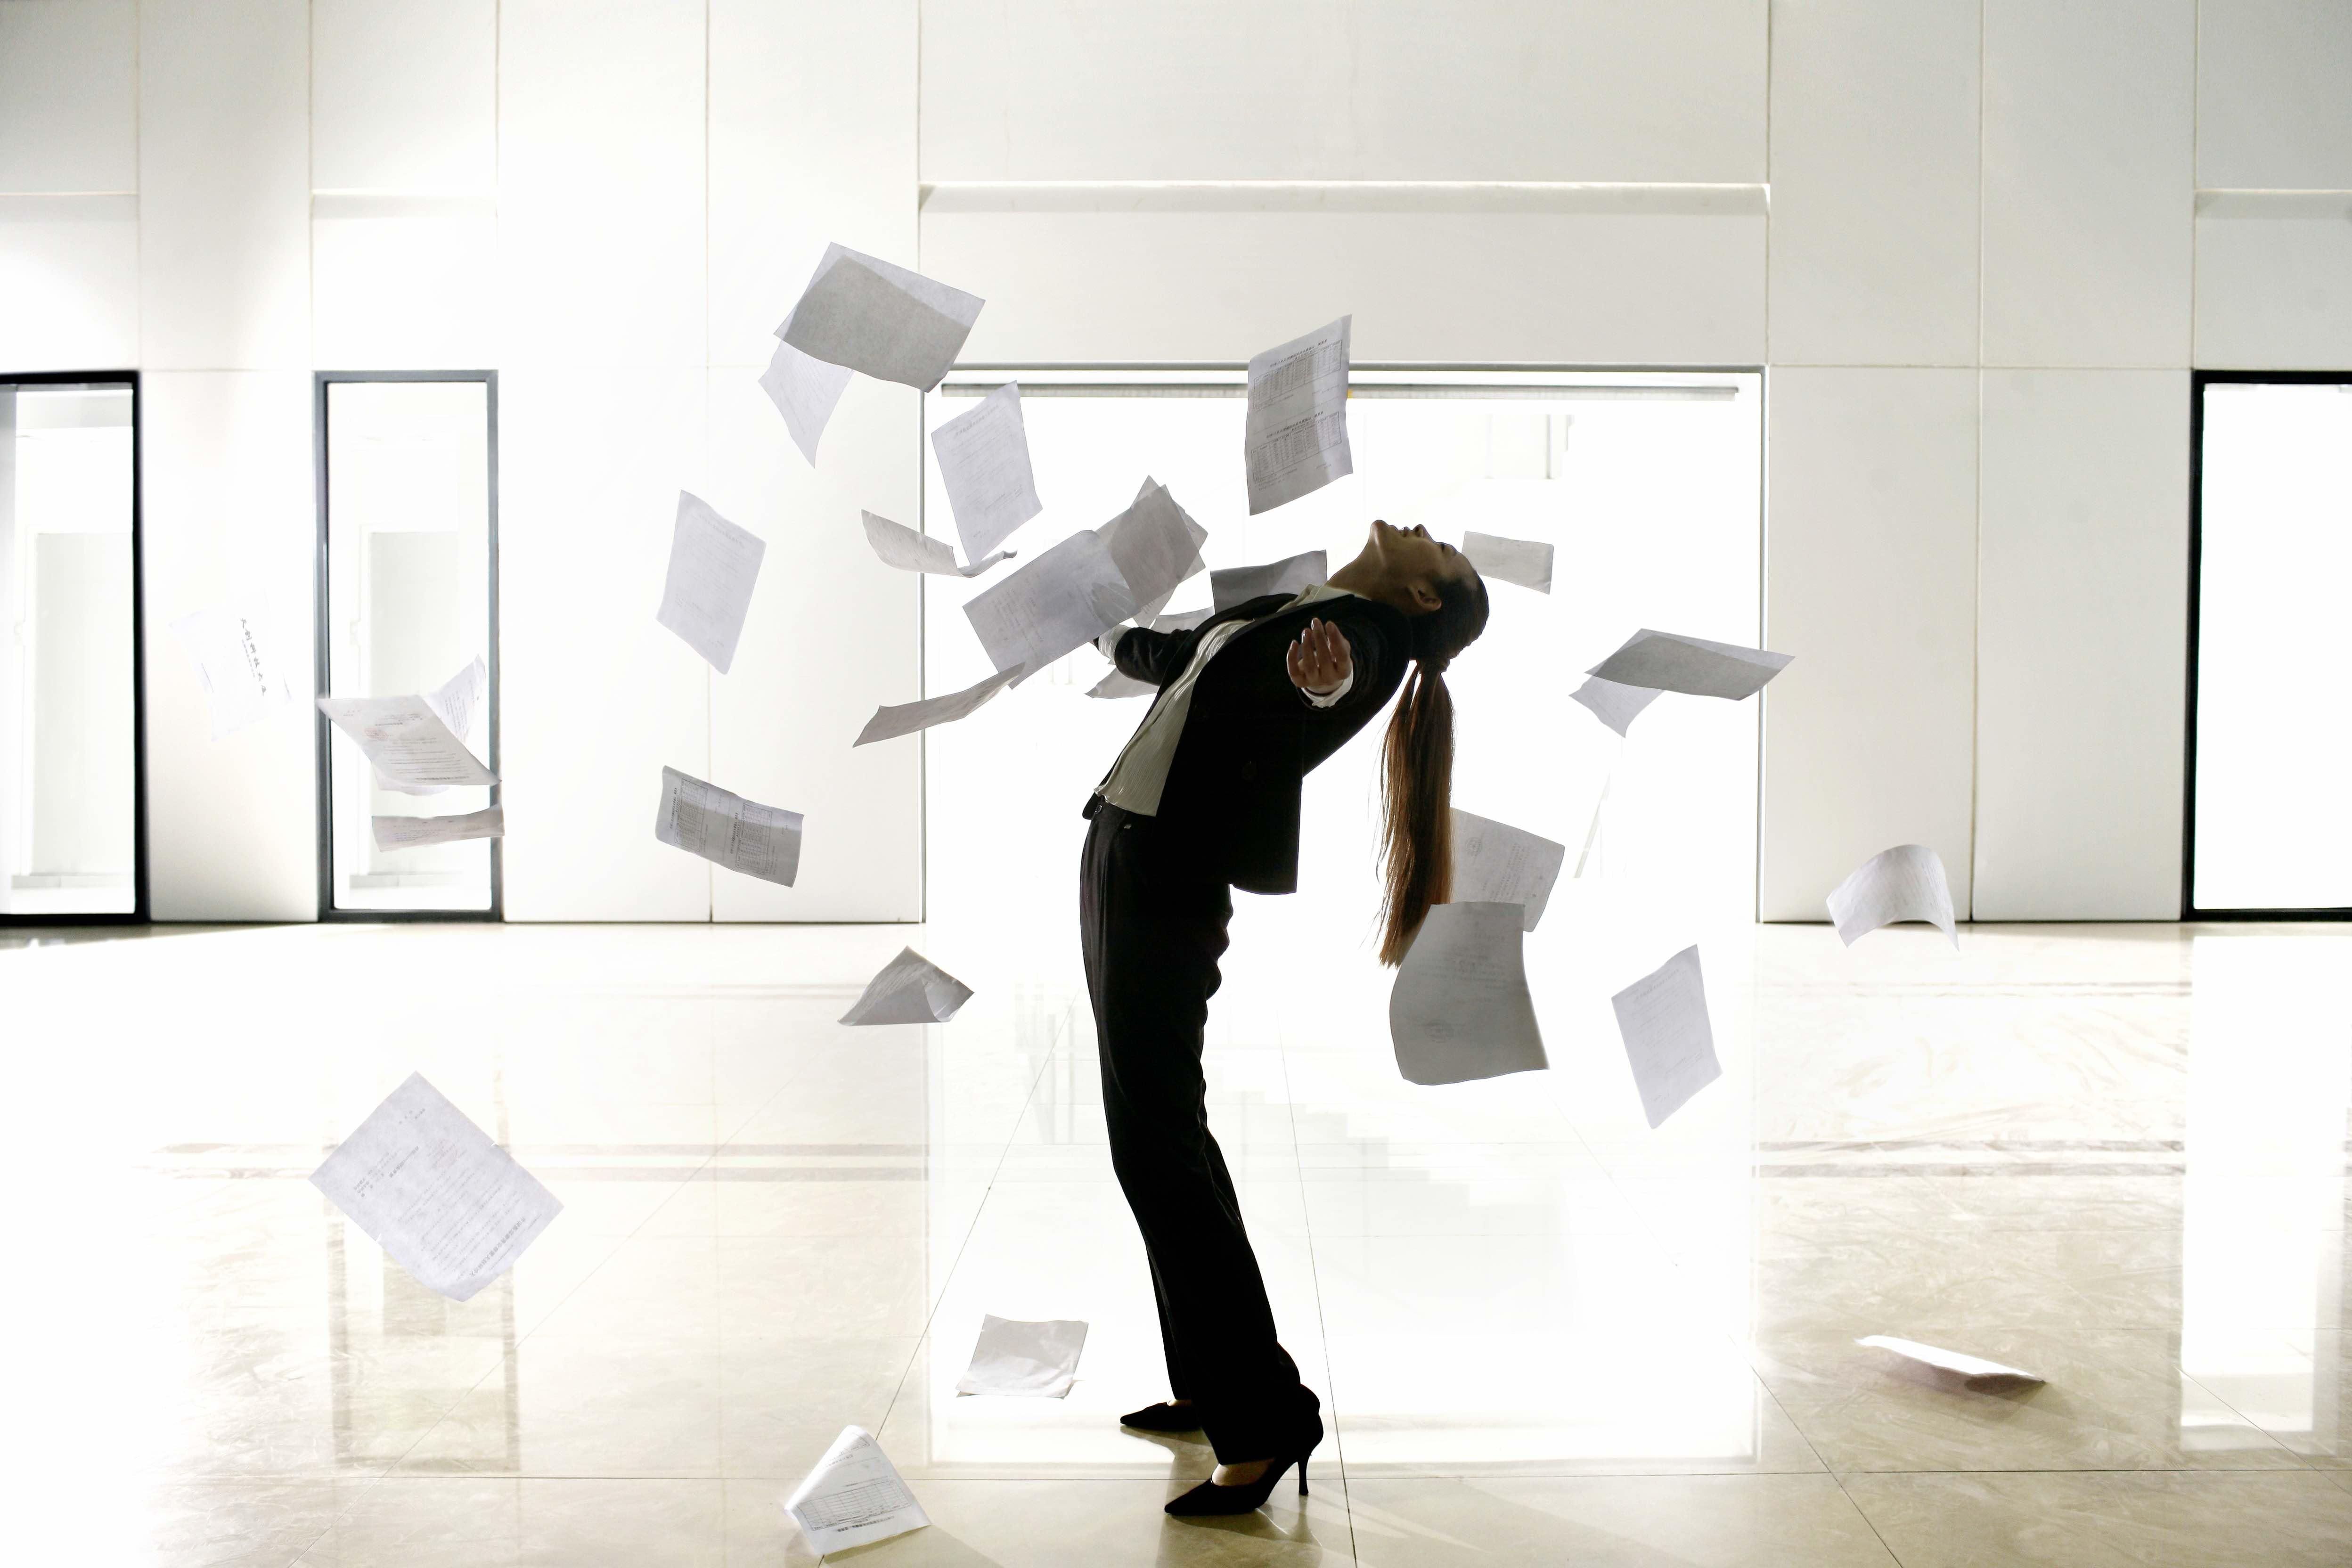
[1410, 559]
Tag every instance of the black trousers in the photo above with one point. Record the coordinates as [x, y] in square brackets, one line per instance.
[1153, 931]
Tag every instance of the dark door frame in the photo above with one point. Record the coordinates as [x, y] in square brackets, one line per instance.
[322, 661]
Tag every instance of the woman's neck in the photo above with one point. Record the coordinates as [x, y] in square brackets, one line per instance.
[1363, 577]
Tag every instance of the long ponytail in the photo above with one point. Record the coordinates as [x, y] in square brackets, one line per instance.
[1417, 771]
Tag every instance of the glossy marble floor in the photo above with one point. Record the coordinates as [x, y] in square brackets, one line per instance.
[1545, 1334]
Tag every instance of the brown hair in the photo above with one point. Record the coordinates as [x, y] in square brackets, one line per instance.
[1417, 769]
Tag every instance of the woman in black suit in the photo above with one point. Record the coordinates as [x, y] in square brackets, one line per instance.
[1205, 798]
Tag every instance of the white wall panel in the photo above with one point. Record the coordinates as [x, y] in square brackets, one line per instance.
[1635, 285]
[1870, 581]
[595, 696]
[225, 185]
[2274, 281]
[228, 523]
[1874, 159]
[1386, 90]
[600, 161]
[2274, 94]
[2082, 642]
[70, 273]
[68, 96]
[2088, 137]
[404, 283]
[403, 95]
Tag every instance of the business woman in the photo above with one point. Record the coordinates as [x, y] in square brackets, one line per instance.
[1203, 799]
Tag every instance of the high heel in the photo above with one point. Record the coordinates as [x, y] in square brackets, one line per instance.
[1163, 1417]
[1208, 1500]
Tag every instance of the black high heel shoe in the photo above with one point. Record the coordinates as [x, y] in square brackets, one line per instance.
[1163, 1417]
[1208, 1500]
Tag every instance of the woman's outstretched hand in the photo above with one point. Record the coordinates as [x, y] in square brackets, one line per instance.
[1320, 660]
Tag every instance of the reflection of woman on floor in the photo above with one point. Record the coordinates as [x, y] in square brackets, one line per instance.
[1205, 798]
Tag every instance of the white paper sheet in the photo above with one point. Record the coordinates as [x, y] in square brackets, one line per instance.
[1179, 620]
[984, 456]
[405, 741]
[1668, 661]
[1662, 1020]
[442, 1200]
[1905, 883]
[762, 841]
[1973, 1370]
[1614, 705]
[417, 832]
[1035, 1360]
[854, 1497]
[804, 391]
[900, 546]
[1069, 596]
[1495, 863]
[1460, 1009]
[1524, 562]
[713, 567]
[1116, 685]
[1295, 439]
[1157, 545]
[1240, 584]
[893, 325]
[905, 717]
[454, 702]
[243, 682]
[909, 989]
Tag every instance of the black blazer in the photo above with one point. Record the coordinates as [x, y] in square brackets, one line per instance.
[1251, 736]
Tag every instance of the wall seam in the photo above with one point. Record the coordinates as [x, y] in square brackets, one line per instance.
[1976, 508]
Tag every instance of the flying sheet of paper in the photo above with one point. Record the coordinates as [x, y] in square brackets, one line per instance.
[1179, 620]
[242, 684]
[762, 841]
[895, 325]
[1240, 584]
[854, 1497]
[417, 832]
[1521, 560]
[909, 989]
[900, 546]
[1038, 1361]
[804, 391]
[713, 566]
[984, 456]
[905, 717]
[1973, 1370]
[1614, 705]
[1117, 684]
[1460, 1008]
[454, 702]
[1663, 1019]
[1069, 596]
[1495, 863]
[1905, 883]
[1294, 440]
[1668, 661]
[442, 1200]
[1157, 545]
[406, 739]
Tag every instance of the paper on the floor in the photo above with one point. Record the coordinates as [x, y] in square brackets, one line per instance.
[895, 325]
[713, 566]
[1157, 546]
[854, 1497]
[441, 1199]
[1663, 1019]
[804, 391]
[1071, 595]
[243, 684]
[417, 832]
[1240, 584]
[1974, 1369]
[1038, 1361]
[454, 702]
[984, 456]
[1525, 562]
[1905, 883]
[1614, 704]
[1668, 661]
[909, 989]
[1460, 1008]
[1495, 863]
[1295, 439]
[762, 841]
[905, 717]
[900, 546]
[406, 742]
